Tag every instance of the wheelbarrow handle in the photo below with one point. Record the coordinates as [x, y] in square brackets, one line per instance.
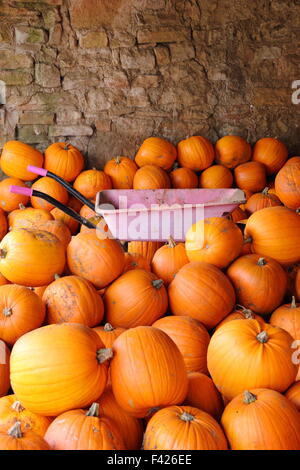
[68, 186]
[67, 210]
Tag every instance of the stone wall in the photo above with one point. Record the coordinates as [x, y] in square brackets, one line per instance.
[105, 74]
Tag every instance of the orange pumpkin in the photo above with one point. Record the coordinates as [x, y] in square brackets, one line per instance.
[241, 313]
[244, 354]
[74, 203]
[259, 419]
[182, 178]
[57, 228]
[190, 337]
[90, 182]
[260, 283]
[66, 219]
[46, 382]
[146, 249]
[4, 369]
[16, 439]
[11, 410]
[297, 284]
[134, 299]
[136, 261]
[259, 201]
[3, 280]
[15, 158]
[151, 177]
[10, 201]
[232, 150]
[108, 334]
[31, 257]
[237, 215]
[51, 187]
[292, 271]
[121, 171]
[287, 185]
[215, 240]
[28, 217]
[168, 259]
[3, 224]
[275, 232]
[250, 176]
[203, 394]
[100, 261]
[293, 394]
[160, 378]
[216, 176]
[64, 160]
[39, 290]
[287, 317]
[21, 310]
[203, 292]
[196, 153]
[183, 428]
[73, 299]
[156, 151]
[271, 152]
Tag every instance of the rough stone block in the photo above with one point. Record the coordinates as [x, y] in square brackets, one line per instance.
[36, 117]
[93, 40]
[47, 76]
[163, 35]
[33, 134]
[136, 58]
[69, 116]
[11, 60]
[28, 35]
[76, 130]
[16, 77]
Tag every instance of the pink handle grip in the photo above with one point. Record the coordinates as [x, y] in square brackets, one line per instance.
[37, 170]
[20, 190]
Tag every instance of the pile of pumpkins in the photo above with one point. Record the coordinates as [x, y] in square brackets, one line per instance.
[175, 346]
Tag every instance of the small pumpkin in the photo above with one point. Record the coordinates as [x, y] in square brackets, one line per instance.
[168, 259]
[182, 178]
[237, 215]
[121, 171]
[232, 150]
[4, 369]
[64, 160]
[241, 313]
[203, 394]
[16, 439]
[293, 394]
[250, 176]
[196, 153]
[287, 317]
[15, 158]
[156, 151]
[108, 334]
[28, 217]
[151, 177]
[271, 152]
[11, 201]
[146, 249]
[287, 184]
[51, 187]
[90, 182]
[216, 176]
[259, 201]
[136, 261]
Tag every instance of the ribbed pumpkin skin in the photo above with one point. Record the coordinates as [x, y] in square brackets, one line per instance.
[29, 441]
[287, 185]
[156, 151]
[259, 201]
[216, 176]
[151, 177]
[11, 411]
[136, 261]
[167, 431]
[10, 201]
[31, 257]
[4, 369]
[167, 261]
[21, 310]
[108, 334]
[250, 176]
[90, 182]
[271, 152]
[64, 160]
[288, 317]
[121, 171]
[146, 249]
[203, 292]
[133, 300]
[238, 361]
[203, 394]
[73, 430]
[131, 428]
[215, 240]
[75, 300]
[269, 423]
[160, 379]
[51, 187]
[196, 153]
[100, 261]
[260, 283]
[293, 394]
[43, 375]
[237, 215]
[71, 223]
[28, 217]
[15, 158]
[191, 338]
[182, 178]
[275, 232]
[232, 150]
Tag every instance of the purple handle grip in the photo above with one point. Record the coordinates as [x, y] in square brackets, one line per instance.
[20, 190]
[37, 170]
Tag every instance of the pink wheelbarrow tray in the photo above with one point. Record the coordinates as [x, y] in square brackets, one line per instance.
[146, 214]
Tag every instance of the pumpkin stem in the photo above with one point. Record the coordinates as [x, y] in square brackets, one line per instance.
[265, 191]
[93, 411]
[21, 206]
[185, 416]
[17, 406]
[172, 242]
[15, 430]
[261, 262]
[249, 397]
[104, 354]
[262, 337]
[293, 303]
[175, 166]
[118, 160]
[7, 311]
[108, 327]
[56, 277]
[248, 240]
[298, 210]
[245, 311]
[3, 253]
[157, 283]
[67, 145]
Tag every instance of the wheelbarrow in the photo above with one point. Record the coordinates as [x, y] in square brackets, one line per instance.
[143, 215]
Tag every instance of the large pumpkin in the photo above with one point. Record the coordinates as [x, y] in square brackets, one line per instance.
[183, 428]
[151, 177]
[64, 160]
[146, 249]
[196, 153]
[203, 292]
[216, 176]
[244, 354]
[215, 240]
[21, 310]
[136, 298]
[156, 151]
[287, 317]
[259, 201]
[73, 299]
[261, 419]
[121, 171]
[203, 394]
[51, 187]
[90, 182]
[108, 333]
[15, 158]
[28, 217]
[15, 438]
[160, 378]
[4, 369]
[271, 152]
[293, 394]
[287, 185]
[100, 261]
[275, 232]
[250, 176]
[168, 259]
[84, 430]
[182, 178]
[260, 283]
[59, 367]
[232, 150]
[11, 201]
[31, 257]
[191, 338]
